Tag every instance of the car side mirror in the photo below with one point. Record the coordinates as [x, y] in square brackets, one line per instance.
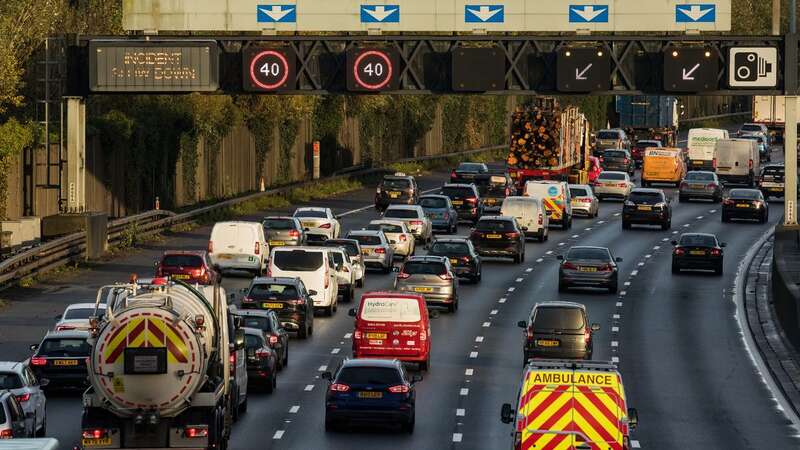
[243, 291]
[351, 312]
[722, 244]
[238, 339]
[522, 324]
[43, 382]
[595, 327]
[560, 257]
[674, 242]
[155, 263]
[633, 418]
[231, 297]
[326, 376]
[395, 269]
[312, 292]
[618, 259]
[34, 347]
[507, 413]
[416, 378]
[58, 317]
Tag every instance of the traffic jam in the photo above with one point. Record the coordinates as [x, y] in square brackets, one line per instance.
[172, 356]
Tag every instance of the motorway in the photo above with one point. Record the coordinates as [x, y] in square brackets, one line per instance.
[682, 356]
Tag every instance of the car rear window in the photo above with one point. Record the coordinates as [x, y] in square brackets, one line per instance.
[450, 248]
[646, 197]
[744, 193]
[470, 167]
[698, 240]
[279, 224]
[79, 313]
[645, 144]
[700, 176]
[252, 341]
[338, 257]
[614, 154]
[495, 225]
[259, 323]
[433, 202]
[395, 183]
[273, 291]
[558, 319]
[311, 213]
[608, 135]
[390, 310]
[10, 381]
[386, 227]
[64, 347]
[424, 268]
[616, 176]
[401, 213]
[458, 192]
[772, 171]
[578, 192]
[366, 239]
[182, 261]
[369, 375]
[589, 253]
[297, 260]
[350, 247]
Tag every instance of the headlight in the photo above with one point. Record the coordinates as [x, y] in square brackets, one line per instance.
[629, 203]
[661, 205]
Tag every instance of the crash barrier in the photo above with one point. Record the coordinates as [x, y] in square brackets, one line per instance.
[785, 279]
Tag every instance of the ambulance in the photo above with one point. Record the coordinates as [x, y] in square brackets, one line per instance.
[571, 405]
[556, 199]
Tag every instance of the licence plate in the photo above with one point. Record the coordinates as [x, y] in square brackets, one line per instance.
[457, 202]
[587, 269]
[547, 343]
[309, 224]
[394, 194]
[276, 243]
[376, 335]
[698, 252]
[491, 201]
[697, 163]
[453, 261]
[272, 305]
[645, 208]
[96, 442]
[365, 251]
[742, 205]
[423, 289]
[493, 236]
[697, 186]
[181, 276]
[224, 256]
[369, 394]
[65, 362]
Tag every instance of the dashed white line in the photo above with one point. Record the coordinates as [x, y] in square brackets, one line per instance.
[335, 350]
[294, 409]
[560, 243]
[712, 211]
[457, 437]
[588, 228]
[473, 355]
[529, 269]
[309, 387]
[634, 273]
[502, 300]
[469, 372]
[648, 255]
[623, 293]
[348, 335]
[549, 252]
[619, 304]
[487, 324]
[460, 412]
[511, 289]
[322, 368]
[614, 359]
[539, 260]
[665, 240]
[519, 280]
[614, 329]
[615, 316]
[627, 283]
[614, 344]
[278, 434]
[640, 264]
[575, 236]
[478, 338]
[464, 392]
[615, 215]
[699, 217]
[675, 232]
[601, 221]
[656, 247]
[686, 225]
[493, 312]
[635, 444]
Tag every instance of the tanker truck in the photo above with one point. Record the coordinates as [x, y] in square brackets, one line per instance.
[158, 368]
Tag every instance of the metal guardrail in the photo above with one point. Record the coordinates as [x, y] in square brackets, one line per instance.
[716, 116]
[72, 248]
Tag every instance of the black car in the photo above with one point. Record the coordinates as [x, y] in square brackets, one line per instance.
[262, 361]
[286, 296]
[397, 189]
[745, 204]
[586, 266]
[697, 251]
[267, 322]
[465, 199]
[494, 188]
[618, 160]
[771, 180]
[645, 206]
[499, 236]
[557, 330]
[462, 255]
[61, 358]
[466, 172]
[370, 391]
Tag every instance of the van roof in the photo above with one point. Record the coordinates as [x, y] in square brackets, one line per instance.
[238, 222]
[391, 294]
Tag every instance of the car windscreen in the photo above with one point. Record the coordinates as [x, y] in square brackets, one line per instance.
[432, 202]
[369, 375]
[744, 193]
[9, 381]
[578, 192]
[64, 347]
[614, 176]
[259, 323]
[264, 291]
[279, 224]
[495, 225]
[390, 310]
[80, 313]
[751, 128]
[424, 268]
[458, 192]
[470, 167]
[614, 154]
[558, 319]
[366, 239]
[699, 240]
[338, 257]
[350, 247]
[297, 260]
[386, 227]
[450, 248]
[252, 342]
[394, 183]
[608, 135]
[600, 254]
[700, 176]
[773, 171]
[646, 197]
[401, 213]
[311, 214]
[182, 261]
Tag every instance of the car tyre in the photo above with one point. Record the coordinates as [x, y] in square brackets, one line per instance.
[235, 406]
[243, 407]
[562, 287]
[360, 283]
[666, 225]
[626, 225]
[302, 333]
[675, 268]
[272, 383]
[725, 218]
[388, 268]
[408, 427]
[682, 199]
[330, 425]
[42, 432]
[425, 365]
[612, 288]
[285, 362]
[718, 270]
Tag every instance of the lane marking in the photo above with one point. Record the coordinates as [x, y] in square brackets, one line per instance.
[473, 355]
[464, 392]
[640, 264]
[699, 217]
[615, 329]
[575, 236]
[487, 324]
[278, 434]
[634, 273]
[712, 211]
[519, 280]
[469, 372]
[322, 368]
[502, 300]
[549, 252]
[675, 232]
[623, 293]
[627, 283]
[616, 214]
[560, 243]
[615, 360]
[348, 335]
[665, 240]
[294, 409]
[635, 444]
[493, 312]
[309, 387]
[457, 437]
[588, 228]
[686, 225]
[478, 338]
[619, 304]
[615, 316]
[529, 269]
[539, 260]
[656, 247]
[460, 412]
[614, 344]
[336, 350]
[648, 255]
[601, 221]
[511, 289]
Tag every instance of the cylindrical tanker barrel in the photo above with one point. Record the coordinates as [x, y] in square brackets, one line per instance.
[151, 352]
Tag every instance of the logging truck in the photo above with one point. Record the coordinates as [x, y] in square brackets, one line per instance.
[548, 142]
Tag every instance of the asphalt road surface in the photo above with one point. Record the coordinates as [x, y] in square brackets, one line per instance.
[682, 357]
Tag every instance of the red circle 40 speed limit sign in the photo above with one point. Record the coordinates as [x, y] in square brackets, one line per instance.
[372, 69]
[268, 69]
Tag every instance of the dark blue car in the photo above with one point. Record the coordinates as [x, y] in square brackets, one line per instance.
[370, 391]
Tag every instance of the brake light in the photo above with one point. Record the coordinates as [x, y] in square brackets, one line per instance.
[6, 434]
[338, 387]
[446, 276]
[585, 200]
[727, 201]
[679, 251]
[196, 431]
[269, 271]
[712, 185]
[569, 266]
[94, 433]
[380, 250]
[714, 163]
[257, 250]
[626, 160]
[403, 275]
[273, 339]
[247, 300]
[403, 238]
[622, 184]
[512, 235]
[541, 219]
[423, 336]
[508, 191]
[38, 361]
[416, 222]
[399, 389]
[325, 226]
[261, 353]
[210, 247]
[605, 268]
[295, 302]
[453, 175]
[750, 163]
[232, 361]
[64, 328]
[23, 398]
[587, 335]
[357, 334]
[715, 252]
[471, 200]
[294, 233]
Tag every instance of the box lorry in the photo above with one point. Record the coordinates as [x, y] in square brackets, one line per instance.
[648, 117]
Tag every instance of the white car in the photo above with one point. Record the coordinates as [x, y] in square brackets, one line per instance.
[583, 200]
[415, 219]
[345, 274]
[238, 246]
[612, 184]
[319, 223]
[18, 378]
[398, 234]
[76, 316]
[315, 268]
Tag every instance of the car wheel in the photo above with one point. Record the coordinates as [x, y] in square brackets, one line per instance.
[764, 218]
[235, 406]
[564, 223]
[675, 268]
[479, 276]
[408, 427]
[302, 333]
[681, 199]
[626, 225]
[724, 218]
[42, 432]
[286, 357]
[666, 225]
[387, 269]
[718, 270]
[424, 365]
[562, 287]
[542, 237]
[243, 407]
[330, 425]
[612, 288]
[272, 383]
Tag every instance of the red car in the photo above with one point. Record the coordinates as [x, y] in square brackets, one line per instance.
[594, 168]
[190, 266]
[641, 145]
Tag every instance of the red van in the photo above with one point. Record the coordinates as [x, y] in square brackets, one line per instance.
[392, 325]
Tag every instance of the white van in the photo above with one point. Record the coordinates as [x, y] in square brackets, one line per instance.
[314, 266]
[530, 214]
[555, 198]
[737, 161]
[239, 246]
[700, 144]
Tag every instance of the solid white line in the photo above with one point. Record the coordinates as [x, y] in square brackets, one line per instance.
[529, 269]
[294, 409]
[457, 437]
[323, 368]
[309, 387]
[493, 312]
[464, 392]
[614, 344]
[335, 350]
[540, 259]
[487, 324]
[348, 335]
[478, 338]
[519, 280]
[635, 444]
[278, 434]
[511, 289]
[460, 412]
[353, 211]
[473, 355]
[614, 329]
[469, 372]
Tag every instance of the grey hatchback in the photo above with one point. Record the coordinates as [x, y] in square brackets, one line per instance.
[429, 276]
[557, 330]
[588, 267]
[281, 231]
[700, 184]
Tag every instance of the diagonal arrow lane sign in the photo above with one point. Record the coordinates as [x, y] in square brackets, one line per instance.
[688, 75]
[484, 12]
[581, 75]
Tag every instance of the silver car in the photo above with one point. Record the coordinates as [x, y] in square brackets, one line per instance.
[432, 277]
[700, 184]
[18, 378]
[77, 316]
[612, 184]
[283, 231]
[583, 200]
[400, 237]
[14, 423]
[415, 219]
[375, 249]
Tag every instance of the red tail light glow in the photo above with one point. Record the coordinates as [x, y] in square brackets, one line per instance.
[232, 361]
[569, 266]
[446, 276]
[325, 226]
[512, 235]
[605, 268]
[6, 434]
[622, 184]
[402, 276]
[196, 431]
[338, 387]
[679, 251]
[257, 249]
[261, 353]
[399, 389]
[403, 238]
[294, 233]
[714, 163]
[94, 433]
[423, 336]
[380, 250]
[357, 334]
[715, 252]
[64, 327]
[415, 222]
[23, 398]
[273, 339]
[471, 200]
[38, 361]
[728, 201]
[247, 300]
[587, 335]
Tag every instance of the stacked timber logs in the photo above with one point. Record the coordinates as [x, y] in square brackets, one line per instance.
[535, 138]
